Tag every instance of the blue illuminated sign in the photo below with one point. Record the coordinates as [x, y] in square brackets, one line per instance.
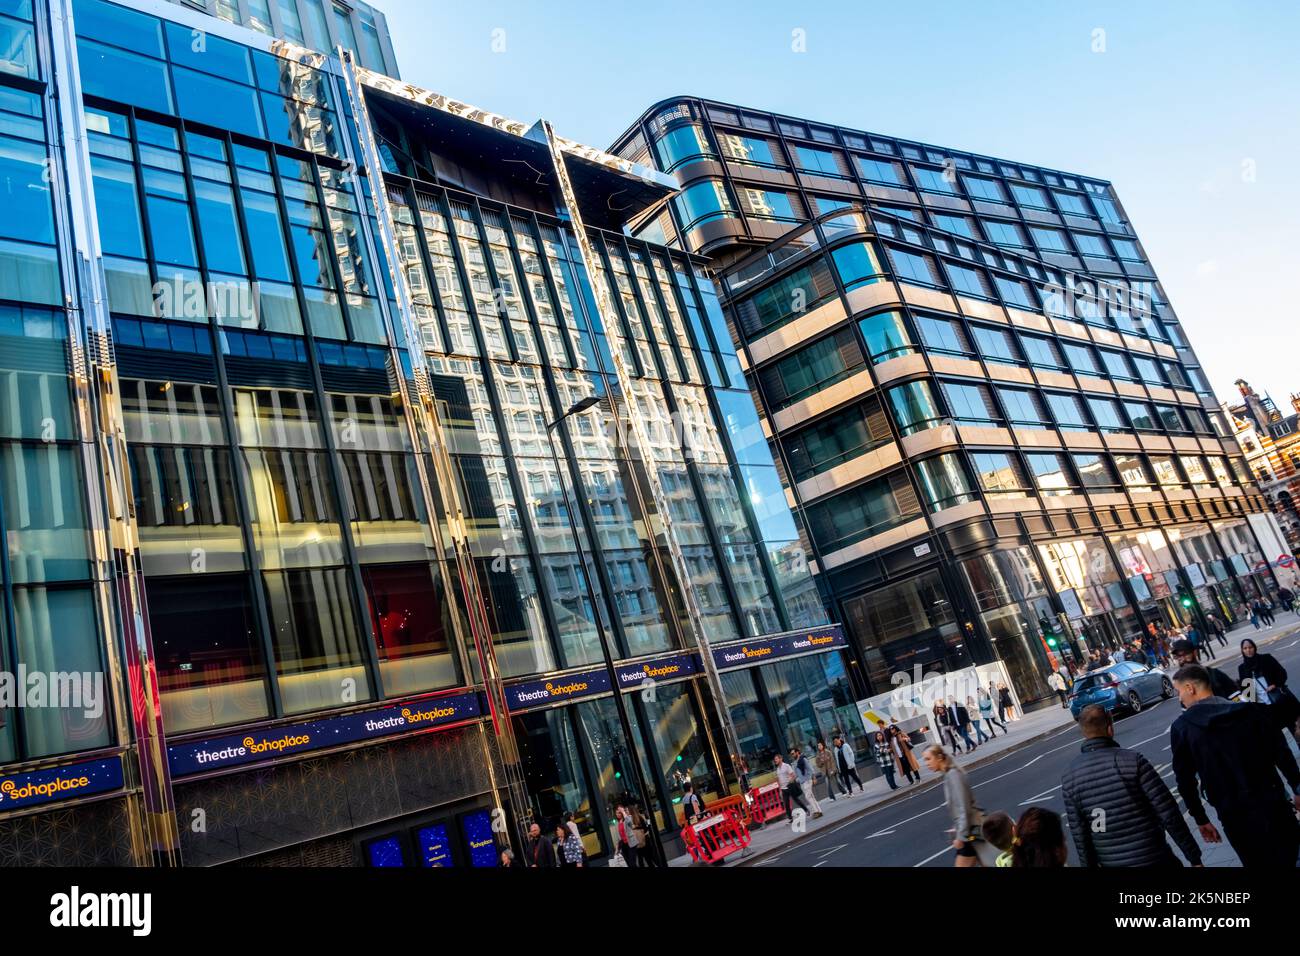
[434, 848]
[553, 690]
[789, 644]
[386, 852]
[631, 676]
[480, 839]
[233, 750]
[60, 783]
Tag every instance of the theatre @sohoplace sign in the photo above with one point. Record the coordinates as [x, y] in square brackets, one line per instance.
[764, 649]
[216, 753]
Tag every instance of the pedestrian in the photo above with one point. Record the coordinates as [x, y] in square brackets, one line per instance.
[825, 762]
[568, 848]
[1057, 683]
[742, 771]
[1266, 612]
[791, 792]
[1234, 752]
[1222, 685]
[976, 723]
[1286, 600]
[966, 816]
[1199, 642]
[1000, 833]
[1266, 676]
[804, 773]
[627, 845]
[572, 824]
[1120, 787]
[884, 758]
[1254, 614]
[1040, 840]
[538, 853]
[507, 859]
[961, 720]
[645, 849]
[1005, 704]
[846, 760]
[985, 706]
[1217, 631]
[945, 731]
[692, 803]
[902, 743]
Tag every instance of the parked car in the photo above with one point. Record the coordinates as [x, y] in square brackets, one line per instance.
[1126, 687]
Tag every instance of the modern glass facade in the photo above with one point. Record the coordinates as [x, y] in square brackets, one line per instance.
[980, 399]
[336, 447]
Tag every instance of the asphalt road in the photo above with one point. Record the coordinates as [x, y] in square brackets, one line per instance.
[910, 831]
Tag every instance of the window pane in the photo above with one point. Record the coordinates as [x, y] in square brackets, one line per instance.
[57, 633]
[45, 524]
[317, 640]
[209, 654]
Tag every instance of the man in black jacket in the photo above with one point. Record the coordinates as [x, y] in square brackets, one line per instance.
[1184, 653]
[960, 718]
[1235, 750]
[1118, 807]
[538, 852]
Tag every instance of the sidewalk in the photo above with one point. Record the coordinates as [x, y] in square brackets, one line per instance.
[876, 793]
[1226, 659]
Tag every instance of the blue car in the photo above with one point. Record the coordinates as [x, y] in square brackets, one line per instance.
[1126, 687]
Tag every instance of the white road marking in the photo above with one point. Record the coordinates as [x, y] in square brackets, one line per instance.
[815, 865]
[1039, 796]
[832, 850]
[929, 858]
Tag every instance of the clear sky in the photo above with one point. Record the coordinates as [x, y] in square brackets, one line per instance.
[1192, 110]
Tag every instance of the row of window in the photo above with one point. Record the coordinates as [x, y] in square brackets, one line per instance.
[131, 57]
[686, 143]
[791, 128]
[955, 478]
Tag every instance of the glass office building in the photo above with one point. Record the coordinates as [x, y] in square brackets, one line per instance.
[984, 409]
[342, 430]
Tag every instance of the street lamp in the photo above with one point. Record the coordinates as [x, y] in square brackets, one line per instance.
[591, 401]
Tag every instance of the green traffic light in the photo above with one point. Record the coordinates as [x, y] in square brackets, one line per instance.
[1051, 642]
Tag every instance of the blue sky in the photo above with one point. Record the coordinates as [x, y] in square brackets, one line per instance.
[1192, 110]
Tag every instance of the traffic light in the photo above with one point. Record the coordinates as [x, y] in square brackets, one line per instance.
[1185, 598]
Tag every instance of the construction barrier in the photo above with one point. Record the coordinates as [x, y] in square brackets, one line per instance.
[716, 836]
[739, 804]
[765, 804]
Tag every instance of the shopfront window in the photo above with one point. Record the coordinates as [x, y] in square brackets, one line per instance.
[1014, 607]
[904, 626]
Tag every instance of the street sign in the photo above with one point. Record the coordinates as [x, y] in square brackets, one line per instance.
[1285, 561]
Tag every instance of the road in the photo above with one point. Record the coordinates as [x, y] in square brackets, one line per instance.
[910, 831]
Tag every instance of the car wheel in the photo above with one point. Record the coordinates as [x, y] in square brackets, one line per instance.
[1134, 701]
[1166, 689]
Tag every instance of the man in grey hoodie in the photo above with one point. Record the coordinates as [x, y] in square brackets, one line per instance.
[1235, 751]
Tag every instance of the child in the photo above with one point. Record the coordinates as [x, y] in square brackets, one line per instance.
[1000, 831]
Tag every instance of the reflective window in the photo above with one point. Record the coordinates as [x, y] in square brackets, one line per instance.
[944, 482]
[886, 336]
[1050, 472]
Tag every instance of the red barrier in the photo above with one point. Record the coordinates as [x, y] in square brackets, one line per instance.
[716, 837]
[766, 803]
